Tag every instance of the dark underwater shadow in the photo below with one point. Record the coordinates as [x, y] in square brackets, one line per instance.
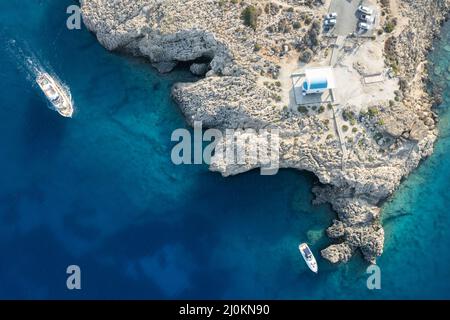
[39, 272]
[43, 128]
[212, 207]
[139, 241]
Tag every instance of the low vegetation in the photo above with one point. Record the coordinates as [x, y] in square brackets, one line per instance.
[390, 25]
[373, 111]
[302, 109]
[250, 16]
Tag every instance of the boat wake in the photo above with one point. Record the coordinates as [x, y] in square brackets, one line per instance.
[31, 66]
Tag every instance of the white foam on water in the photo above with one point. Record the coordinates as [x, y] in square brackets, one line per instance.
[28, 63]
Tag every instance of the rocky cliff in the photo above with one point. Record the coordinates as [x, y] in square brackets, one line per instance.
[236, 47]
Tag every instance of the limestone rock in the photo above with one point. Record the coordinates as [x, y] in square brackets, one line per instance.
[232, 96]
[336, 253]
[336, 230]
[199, 69]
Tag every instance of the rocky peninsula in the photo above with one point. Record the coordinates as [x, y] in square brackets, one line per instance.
[244, 51]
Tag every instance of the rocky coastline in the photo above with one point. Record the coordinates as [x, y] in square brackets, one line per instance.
[241, 58]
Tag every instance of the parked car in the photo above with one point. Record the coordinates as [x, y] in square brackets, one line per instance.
[331, 15]
[366, 18]
[363, 26]
[365, 10]
[330, 22]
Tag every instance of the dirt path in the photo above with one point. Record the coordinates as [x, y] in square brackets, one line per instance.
[394, 7]
[396, 12]
[288, 67]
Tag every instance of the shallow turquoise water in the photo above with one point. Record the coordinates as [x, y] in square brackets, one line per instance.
[99, 191]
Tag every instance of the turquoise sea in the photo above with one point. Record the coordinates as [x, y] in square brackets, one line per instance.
[100, 191]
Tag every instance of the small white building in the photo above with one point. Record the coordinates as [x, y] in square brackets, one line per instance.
[318, 80]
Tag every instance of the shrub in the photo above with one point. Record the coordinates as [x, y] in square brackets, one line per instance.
[373, 111]
[306, 56]
[348, 115]
[250, 16]
[345, 128]
[389, 27]
[302, 109]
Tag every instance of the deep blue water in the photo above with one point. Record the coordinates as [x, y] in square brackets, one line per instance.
[100, 191]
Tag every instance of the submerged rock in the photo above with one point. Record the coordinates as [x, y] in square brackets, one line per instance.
[164, 67]
[314, 236]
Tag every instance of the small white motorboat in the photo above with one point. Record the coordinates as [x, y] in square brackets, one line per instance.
[309, 257]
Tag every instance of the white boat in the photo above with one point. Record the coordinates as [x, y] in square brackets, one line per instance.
[309, 257]
[56, 93]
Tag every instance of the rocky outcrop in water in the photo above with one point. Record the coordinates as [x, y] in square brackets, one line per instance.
[237, 47]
